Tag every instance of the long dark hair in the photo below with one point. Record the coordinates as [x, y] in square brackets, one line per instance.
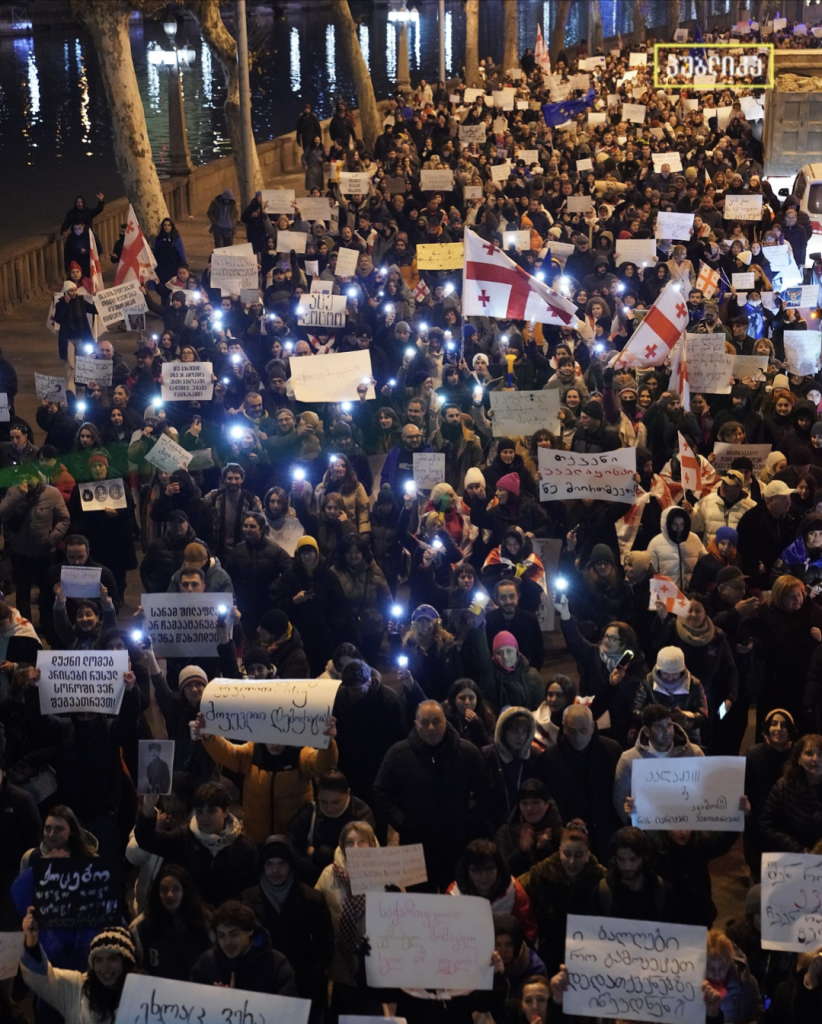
[349, 482]
[78, 841]
[794, 772]
[483, 712]
[103, 1002]
[194, 911]
[477, 852]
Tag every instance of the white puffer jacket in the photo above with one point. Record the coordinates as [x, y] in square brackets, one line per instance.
[711, 512]
[676, 560]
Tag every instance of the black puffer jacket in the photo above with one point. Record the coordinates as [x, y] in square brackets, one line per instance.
[189, 500]
[260, 969]
[792, 817]
[163, 558]
[254, 568]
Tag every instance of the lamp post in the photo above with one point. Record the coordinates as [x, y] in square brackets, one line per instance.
[247, 184]
[442, 39]
[403, 71]
[179, 162]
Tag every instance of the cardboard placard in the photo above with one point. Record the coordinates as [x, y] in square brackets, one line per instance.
[74, 893]
[112, 302]
[689, 793]
[521, 240]
[710, 367]
[446, 256]
[791, 901]
[371, 869]
[278, 200]
[726, 453]
[802, 351]
[346, 262]
[187, 382]
[743, 207]
[471, 133]
[168, 456]
[579, 204]
[331, 378]
[291, 241]
[317, 207]
[52, 388]
[674, 225]
[80, 580]
[89, 370]
[355, 183]
[674, 161]
[185, 625]
[98, 495]
[634, 112]
[609, 476]
[745, 281]
[641, 251]
[152, 1000]
[86, 681]
[322, 310]
[429, 469]
[523, 412]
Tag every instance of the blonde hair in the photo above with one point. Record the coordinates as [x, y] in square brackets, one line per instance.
[360, 828]
[194, 552]
[779, 591]
[719, 945]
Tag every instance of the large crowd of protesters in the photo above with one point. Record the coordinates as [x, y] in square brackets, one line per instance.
[429, 606]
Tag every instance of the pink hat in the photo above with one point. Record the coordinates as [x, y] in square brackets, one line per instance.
[510, 483]
[504, 639]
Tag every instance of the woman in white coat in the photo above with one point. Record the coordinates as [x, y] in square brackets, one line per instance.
[675, 550]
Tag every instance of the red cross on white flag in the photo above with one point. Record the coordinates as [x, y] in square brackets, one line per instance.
[493, 285]
[421, 291]
[690, 467]
[96, 279]
[663, 326]
[664, 589]
[137, 261]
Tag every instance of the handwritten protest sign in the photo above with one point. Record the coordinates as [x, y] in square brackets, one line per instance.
[52, 388]
[234, 268]
[89, 370]
[521, 240]
[637, 60]
[372, 869]
[500, 172]
[743, 207]
[710, 367]
[168, 456]
[689, 792]
[11, 949]
[291, 240]
[346, 262]
[634, 970]
[472, 191]
[278, 200]
[779, 256]
[674, 225]
[504, 98]
[316, 207]
[440, 257]
[354, 183]
[750, 366]
[111, 302]
[641, 251]
[429, 469]
[76, 892]
[331, 378]
[579, 204]
[292, 712]
[609, 476]
[530, 156]
[744, 281]
[80, 580]
[634, 112]
[431, 180]
[585, 165]
[523, 412]
[673, 160]
[802, 296]
[91, 681]
[151, 1000]
[185, 625]
[98, 495]
[596, 117]
[320, 310]
[473, 94]
[802, 351]
[420, 940]
[187, 382]
[726, 453]
[791, 901]
[473, 133]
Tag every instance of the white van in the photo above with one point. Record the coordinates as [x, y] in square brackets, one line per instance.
[807, 187]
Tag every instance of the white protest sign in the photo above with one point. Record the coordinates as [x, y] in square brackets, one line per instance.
[112, 302]
[690, 104]
[579, 81]
[634, 970]
[673, 160]
[472, 191]
[80, 580]
[635, 250]
[744, 281]
[371, 869]
[751, 108]
[500, 172]
[779, 23]
[710, 367]
[346, 262]
[312, 267]
[320, 287]
[801, 296]
[689, 792]
[530, 156]
[674, 225]
[5, 411]
[750, 366]
[315, 207]
[519, 239]
[791, 901]
[11, 949]
[168, 456]
[802, 351]
[634, 112]
[637, 60]
[278, 200]
[98, 495]
[597, 117]
[778, 256]
[590, 63]
[320, 310]
[704, 80]
[562, 250]
[421, 940]
[473, 133]
[354, 183]
[291, 712]
[429, 469]
[331, 378]
[585, 165]
[187, 382]
[153, 1000]
[473, 94]
[233, 268]
[288, 240]
[523, 412]
[726, 453]
[743, 208]
[608, 476]
[723, 116]
[89, 370]
[504, 98]
[681, 35]
[92, 681]
[579, 204]
[53, 388]
[185, 625]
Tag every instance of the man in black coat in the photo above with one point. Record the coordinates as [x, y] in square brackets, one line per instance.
[166, 555]
[432, 789]
[21, 832]
[764, 532]
[508, 616]
[579, 771]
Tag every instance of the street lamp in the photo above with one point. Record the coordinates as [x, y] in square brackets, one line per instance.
[403, 16]
[179, 155]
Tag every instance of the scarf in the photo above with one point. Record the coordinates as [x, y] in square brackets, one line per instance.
[696, 638]
[714, 551]
[276, 894]
[352, 913]
[232, 830]
[610, 663]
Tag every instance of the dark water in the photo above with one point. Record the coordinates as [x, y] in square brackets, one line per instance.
[54, 121]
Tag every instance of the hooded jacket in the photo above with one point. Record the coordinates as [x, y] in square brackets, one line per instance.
[797, 559]
[259, 969]
[509, 768]
[799, 437]
[217, 580]
[521, 686]
[189, 500]
[687, 694]
[163, 558]
[642, 750]
[673, 557]
[35, 522]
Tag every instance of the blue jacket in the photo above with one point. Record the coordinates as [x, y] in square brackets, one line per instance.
[390, 469]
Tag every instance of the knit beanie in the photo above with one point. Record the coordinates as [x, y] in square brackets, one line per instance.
[670, 659]
[594, 410]
[510, 483]
[277, 846]
[308, 542]
[504, 639]
[274, 622]
[602, 553]
[113, 940]
[800, 456]
[68, 285]
[256, 656]
[191, 674]
[474, 476]
[98, 458]
[727, 533]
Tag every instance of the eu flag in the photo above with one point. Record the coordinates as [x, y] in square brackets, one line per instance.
[559, 113]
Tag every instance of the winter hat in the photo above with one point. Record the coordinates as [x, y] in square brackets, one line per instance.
[505, 444]
[594, 410]
[504, 639]
[791, 725]
[99, 459]
[642, 563]
[308, 542]
[510, 483]
[178, 516]
[474, 476]
[68, 285]
[468, 332]
[601, 553]
[402, 326]
[670, 659]
[424, 611]
[341, 429]
[816, 429]
[480, 357]
[776, 488]
[800, 456]
[191, 674]
[419, 378]
[781, 382]
[277, 846]
[274, 622]
[151, 413]
[386, 496]
[256, 656]
[729, 573]
[727, 533]
[113, 940]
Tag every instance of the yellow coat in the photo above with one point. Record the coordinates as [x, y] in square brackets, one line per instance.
[270, 800]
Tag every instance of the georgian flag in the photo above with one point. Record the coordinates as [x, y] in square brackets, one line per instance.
[690, 469]
[137, 261]
[708, 281]
[664, 324]
[542, 58]
[495, 286]
[96, 279]
[664, 589]
[421, 291]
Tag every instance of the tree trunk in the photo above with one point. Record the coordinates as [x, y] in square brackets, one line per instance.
[108, 23]
[640, 24]
[510, 56]
[558, 31]
[595, 27]
[223, 47]
[370, 121]
[673, 18]
[472, 75]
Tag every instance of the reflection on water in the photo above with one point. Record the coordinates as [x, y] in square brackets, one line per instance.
[53, 111]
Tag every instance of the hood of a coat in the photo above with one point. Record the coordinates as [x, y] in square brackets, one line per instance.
[665, 531]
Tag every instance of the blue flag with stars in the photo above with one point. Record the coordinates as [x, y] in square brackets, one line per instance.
[559, 113]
